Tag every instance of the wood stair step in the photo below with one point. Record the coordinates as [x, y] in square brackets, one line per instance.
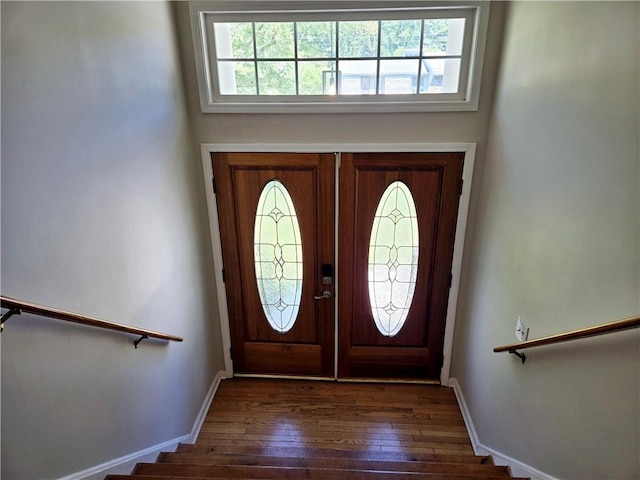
[156, 477]
[336, 463]
[315, 436]
[354, 442]
[203, 448]
[259, 472]
[329, 475]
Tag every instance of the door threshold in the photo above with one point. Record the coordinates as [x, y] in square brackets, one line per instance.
[341, 380]
[390, 380]
[283, 377]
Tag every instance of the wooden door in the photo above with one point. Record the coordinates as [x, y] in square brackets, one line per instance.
[273, 268]
[413, 277]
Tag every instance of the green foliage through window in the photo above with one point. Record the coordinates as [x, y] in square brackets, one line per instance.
[334, 57]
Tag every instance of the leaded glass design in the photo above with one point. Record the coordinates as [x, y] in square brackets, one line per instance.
[393, 259]
[277, 248]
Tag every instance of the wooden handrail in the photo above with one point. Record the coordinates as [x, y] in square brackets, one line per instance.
[17, 306]
[611, 327]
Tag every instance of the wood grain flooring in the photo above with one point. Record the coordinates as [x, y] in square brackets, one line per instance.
[285, 429]
[339, 416]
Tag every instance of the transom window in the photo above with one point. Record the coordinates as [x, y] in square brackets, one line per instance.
[398, 59]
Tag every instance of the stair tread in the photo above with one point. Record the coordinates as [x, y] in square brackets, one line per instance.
[332, 453]
[331, 462]
[266, 472]
[381, 477]
[327, 437]
[344, 444]
[173, 477]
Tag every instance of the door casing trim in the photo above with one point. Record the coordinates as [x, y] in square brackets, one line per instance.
[469, 149]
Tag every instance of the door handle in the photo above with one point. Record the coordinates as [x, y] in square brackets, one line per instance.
[325, 294]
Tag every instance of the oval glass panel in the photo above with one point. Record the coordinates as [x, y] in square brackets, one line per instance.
[393, 259]
[277, 247]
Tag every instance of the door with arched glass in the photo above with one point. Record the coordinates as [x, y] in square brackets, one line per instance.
[396, 228]
[276, 214]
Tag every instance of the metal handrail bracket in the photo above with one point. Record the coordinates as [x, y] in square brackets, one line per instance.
[7, 315]
[521, 356]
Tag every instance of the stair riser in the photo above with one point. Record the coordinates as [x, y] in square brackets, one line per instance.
[330, 453]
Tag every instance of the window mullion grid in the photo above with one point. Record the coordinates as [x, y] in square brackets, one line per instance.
[421, 59]
[378, 59]
[441, 57]
[255, 56]
[322, 59]
[295, 56]
[337, 38]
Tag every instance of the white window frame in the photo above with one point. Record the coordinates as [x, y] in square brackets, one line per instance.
[203, 14]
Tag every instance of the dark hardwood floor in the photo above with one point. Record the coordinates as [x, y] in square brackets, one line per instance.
[292, 429]
[369, 418]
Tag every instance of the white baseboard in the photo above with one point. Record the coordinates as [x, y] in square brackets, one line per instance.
[518, 469]
[202, 414]
[471, 429]
[124, 465]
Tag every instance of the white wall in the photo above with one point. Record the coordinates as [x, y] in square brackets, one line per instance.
[103, 213]
[555, 237]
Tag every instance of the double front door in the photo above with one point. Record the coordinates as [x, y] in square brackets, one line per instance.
[385, 271]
